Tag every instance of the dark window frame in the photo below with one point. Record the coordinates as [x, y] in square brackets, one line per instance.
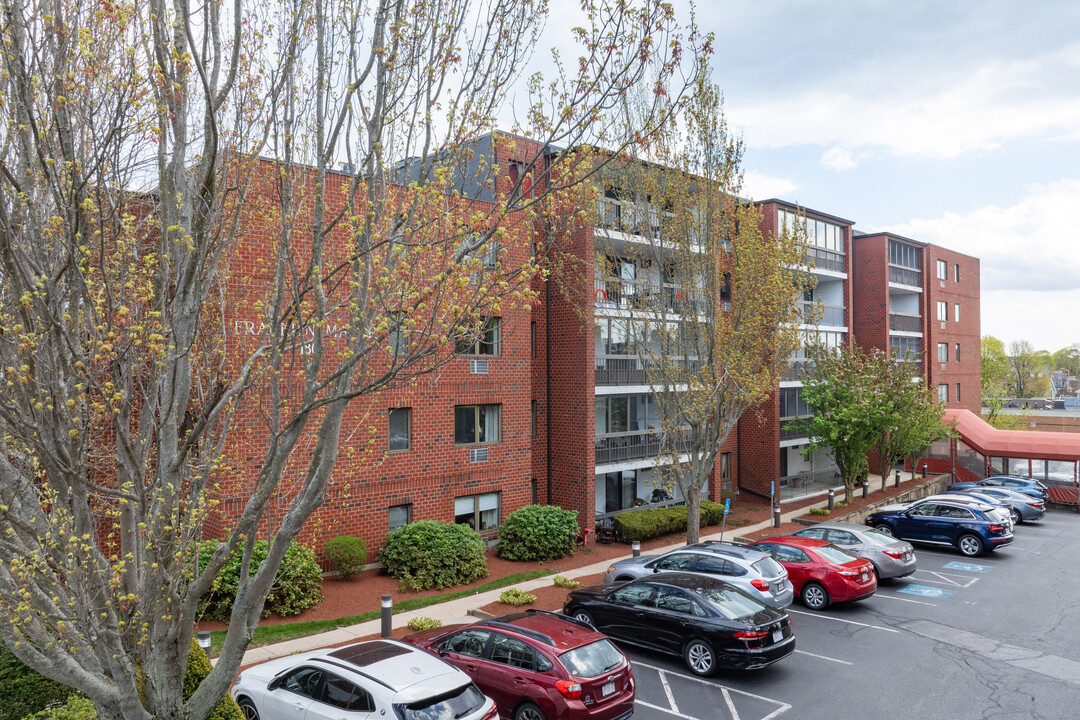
[408, 430]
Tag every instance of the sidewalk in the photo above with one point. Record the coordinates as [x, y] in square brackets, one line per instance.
[457, 611]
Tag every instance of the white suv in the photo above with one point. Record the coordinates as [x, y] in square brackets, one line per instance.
[386, 678]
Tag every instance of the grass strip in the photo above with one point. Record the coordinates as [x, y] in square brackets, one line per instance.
[270, 634]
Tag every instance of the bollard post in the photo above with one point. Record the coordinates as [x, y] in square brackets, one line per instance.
[924, 471]
[776, 517]
[832, 498]
[866, 487]
[636, 547]
[387, 610]
[896, 483]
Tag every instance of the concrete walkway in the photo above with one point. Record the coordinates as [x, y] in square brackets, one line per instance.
[457, 611]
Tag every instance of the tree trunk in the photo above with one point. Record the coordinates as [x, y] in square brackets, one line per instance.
[693, 514]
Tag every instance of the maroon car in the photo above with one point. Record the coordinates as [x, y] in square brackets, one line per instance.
[538, 665]
[821, 573]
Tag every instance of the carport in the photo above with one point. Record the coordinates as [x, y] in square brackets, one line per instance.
[983, 450]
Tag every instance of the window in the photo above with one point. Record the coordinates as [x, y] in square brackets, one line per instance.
[725, 471]
[957, 352]
[956, 312]
[943, 352]
[480, 512]
[943, 393]
[512, 652]
[532, 339]
[942, 310]
[303, 681]
[792, 404]
[620, 490]
[632, 594]
[517, 172]
[476, 424]
[906, 256]
[399, 428]
[486, 341]
[396, 338]
[842, 537]
[678, 561]
[942, 269]
[786, 553]
[532, 419]
[815, 533]
[400, 515]
[957, 392]
[468, 642]
[674, 600]
[956, 273]
[948, 511]
[901, 346]
[343, 694]
[924, 510]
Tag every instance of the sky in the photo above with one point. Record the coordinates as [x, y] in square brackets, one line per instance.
[955, 123]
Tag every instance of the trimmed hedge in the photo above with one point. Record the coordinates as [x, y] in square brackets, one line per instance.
[654, 522]
[297, 584]
[75, 708]
[198, 667]
[538, 532]
[430, 554]
[346, 555]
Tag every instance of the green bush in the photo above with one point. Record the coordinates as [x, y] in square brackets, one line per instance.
[346, 555]
[819, 511]
[655, 522]
[564, 582]
[513, 596]
[430, 554]
[76, 707]
[297, 585]
[25, 691]
[198, 667]
[423, 623]
[538, 532]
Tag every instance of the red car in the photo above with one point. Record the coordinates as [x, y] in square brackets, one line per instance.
[538, 665]
[821, 573]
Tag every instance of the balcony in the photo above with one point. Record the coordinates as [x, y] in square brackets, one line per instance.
[786, 434]
[905, 323]
[645, 295]
[634, 445]
[905, 276]
[624, 217]
[798, 369]
[624, 370]
[830, 314]
[825, 259]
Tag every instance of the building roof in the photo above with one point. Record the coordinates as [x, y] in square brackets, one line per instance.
[1034, 444]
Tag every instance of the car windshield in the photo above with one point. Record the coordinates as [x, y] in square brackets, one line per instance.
[592, 659]
[834, 554]
[731, 603]
[878, 538]
[767, 567]
[456, 704]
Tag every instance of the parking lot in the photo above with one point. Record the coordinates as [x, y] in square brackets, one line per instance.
[997, 636]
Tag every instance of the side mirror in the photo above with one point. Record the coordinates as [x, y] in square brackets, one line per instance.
[656, 570]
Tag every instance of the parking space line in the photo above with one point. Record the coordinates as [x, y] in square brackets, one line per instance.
[907, 600]
[942, 578]
[784, 707]
[667, 691]
[669, 711]
[849, 622]
[730, 705]
[823, 657]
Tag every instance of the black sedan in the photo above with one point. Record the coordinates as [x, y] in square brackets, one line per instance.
[709, 622]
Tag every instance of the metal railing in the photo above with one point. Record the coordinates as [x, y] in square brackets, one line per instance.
[645, 295]
[905, 276]
[632, 370]
[798, 369]
[786, 434]
[825, 259]
[604, 518]
[624, 217]
[905, 323]
[634, 445]
[830, 314]
[829, 478]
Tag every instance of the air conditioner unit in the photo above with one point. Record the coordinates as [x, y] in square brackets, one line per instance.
[478, 454]
[478, 367]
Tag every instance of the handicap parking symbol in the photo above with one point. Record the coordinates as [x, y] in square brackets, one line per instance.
[967, 567]
[925, 591]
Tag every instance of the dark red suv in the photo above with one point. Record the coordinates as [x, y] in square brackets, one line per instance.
[539, 665]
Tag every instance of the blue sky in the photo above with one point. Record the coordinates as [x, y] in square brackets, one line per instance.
[956, 123]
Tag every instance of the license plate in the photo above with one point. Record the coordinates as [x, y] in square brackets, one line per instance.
[608, 689]
[864, 577]
[777, 635]
[779, 585]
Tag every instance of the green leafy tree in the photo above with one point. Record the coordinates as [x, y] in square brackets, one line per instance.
[914, 417]
[1027, 369]
[1068, 359]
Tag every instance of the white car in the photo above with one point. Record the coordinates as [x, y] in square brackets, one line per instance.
[380, 678]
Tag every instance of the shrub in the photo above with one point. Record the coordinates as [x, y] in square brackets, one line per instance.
[819, 511]
[538, 532]
[654, 522]
[76, 707]
[840, 505]
[564, 582]
[26, 691]
[346, 555]
[198, 667]
[297, 585]
[513, 596]
[424, 623]
[430, 554]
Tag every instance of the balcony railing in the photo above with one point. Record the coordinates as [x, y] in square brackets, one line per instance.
[645, 295]
[798, 369]
[830, 314]
[905, 323]
[624, 217]
[623, 370]
[905, 276]
[825, 259]
[634, 445]
[786, 434]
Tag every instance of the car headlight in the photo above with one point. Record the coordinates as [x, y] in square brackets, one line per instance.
[611, 569]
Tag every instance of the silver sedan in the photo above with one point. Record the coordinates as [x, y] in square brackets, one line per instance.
[1023, 508]
[891, 558]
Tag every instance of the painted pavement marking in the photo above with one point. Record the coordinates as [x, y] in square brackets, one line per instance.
[849, 622]
[968, 567]
[926, 591]
[942, 578]
[729, 695]
[823, 657]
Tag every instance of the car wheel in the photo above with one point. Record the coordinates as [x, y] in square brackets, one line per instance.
[815, 596]
[970, 545]
[699, 658]
[248, 708]
[584, 617]
[885, 528]
[529, 711]
[1016, 518]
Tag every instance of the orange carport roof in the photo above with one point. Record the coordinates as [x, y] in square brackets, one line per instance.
[1035, 444]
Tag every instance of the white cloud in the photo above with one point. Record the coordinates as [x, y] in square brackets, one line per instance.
[758, 186]
[838, 158]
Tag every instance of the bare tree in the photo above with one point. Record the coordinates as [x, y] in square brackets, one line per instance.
[146, 148]
[1026, 368]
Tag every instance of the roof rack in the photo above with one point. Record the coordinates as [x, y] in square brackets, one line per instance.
[534, 634]
[565, 618]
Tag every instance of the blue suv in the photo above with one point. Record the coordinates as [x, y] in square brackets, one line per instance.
[1026, 485]
[969, 527]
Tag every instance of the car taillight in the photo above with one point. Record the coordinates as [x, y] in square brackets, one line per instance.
[569, 690]
[760, 585]
[850, 573]
[1036, 504]
[995, 528]
[493, 713]
[750, 634]
[894, 554]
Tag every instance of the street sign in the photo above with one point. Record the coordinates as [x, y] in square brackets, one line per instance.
[727, 505]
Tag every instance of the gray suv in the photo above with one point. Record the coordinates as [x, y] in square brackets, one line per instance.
[752, 571]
